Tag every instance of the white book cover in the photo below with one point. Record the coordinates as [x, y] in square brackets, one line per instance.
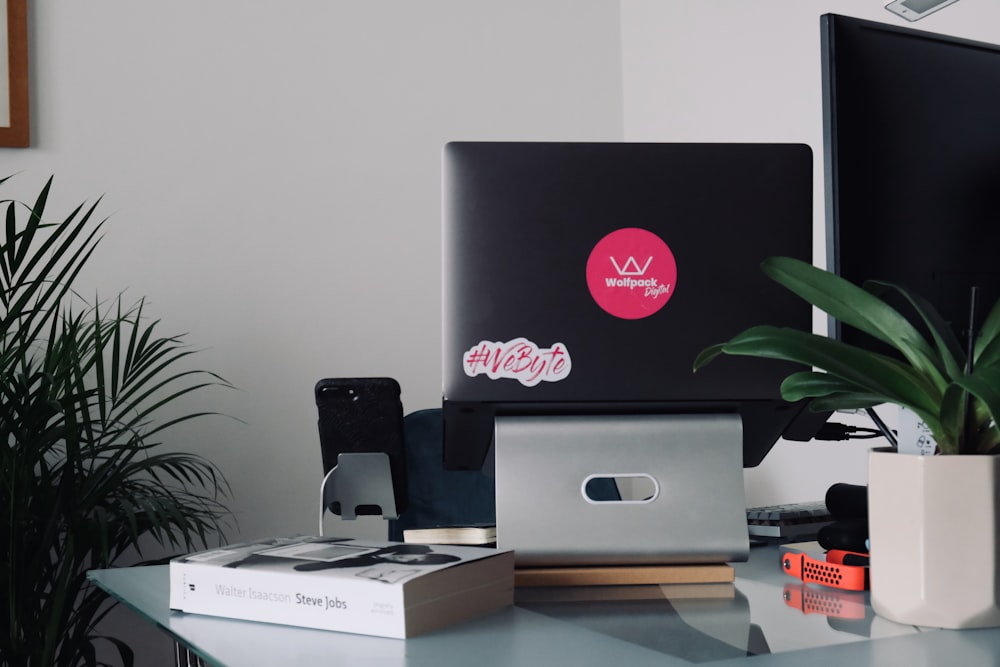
[369, 587]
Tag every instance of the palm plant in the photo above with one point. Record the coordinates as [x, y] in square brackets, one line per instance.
[83, 478]
[955, 393]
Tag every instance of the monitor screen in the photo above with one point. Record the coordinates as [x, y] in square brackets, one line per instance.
[912, 152]
[584, 278]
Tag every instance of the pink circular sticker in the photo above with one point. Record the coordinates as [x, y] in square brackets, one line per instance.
[631, 273]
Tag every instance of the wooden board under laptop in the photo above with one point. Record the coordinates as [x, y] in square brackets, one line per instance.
[624, 575]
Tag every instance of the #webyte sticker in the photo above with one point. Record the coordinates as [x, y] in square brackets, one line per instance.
[519, 359]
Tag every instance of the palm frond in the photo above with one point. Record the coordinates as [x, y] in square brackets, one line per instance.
[82, 477]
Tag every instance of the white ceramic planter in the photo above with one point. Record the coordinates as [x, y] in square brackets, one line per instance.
[935, 538]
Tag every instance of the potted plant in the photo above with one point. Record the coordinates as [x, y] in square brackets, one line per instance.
[933, 520]
[84, 477]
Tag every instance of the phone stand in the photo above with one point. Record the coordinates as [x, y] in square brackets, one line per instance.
[360, 480]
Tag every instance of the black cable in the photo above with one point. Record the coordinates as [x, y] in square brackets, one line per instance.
[885, 430]
[832, 431]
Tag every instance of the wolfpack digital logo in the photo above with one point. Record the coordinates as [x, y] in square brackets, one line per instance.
[631, 273]
[631, 267]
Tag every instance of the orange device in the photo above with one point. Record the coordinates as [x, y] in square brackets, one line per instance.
[841, 569]
[848, 605]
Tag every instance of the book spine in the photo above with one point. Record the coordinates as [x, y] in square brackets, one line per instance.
[307, 600]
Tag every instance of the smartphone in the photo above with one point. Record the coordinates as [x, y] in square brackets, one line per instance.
[363, 415]
[912, 10]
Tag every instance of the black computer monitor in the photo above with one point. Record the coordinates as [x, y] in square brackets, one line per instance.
[912, 152]
[584, 278]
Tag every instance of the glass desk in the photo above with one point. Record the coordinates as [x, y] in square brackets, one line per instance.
[759, 619]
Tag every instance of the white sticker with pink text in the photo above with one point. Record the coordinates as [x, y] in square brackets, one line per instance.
[518, 359]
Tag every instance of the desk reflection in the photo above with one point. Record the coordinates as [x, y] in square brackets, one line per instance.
[694, 622]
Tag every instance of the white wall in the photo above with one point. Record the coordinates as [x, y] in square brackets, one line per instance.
[732, 70]
[272, 169]
[272, 172]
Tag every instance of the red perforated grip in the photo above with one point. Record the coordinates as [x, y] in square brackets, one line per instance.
[810, 570]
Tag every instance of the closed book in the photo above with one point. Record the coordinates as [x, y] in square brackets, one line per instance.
[471, 535]
[361, 586]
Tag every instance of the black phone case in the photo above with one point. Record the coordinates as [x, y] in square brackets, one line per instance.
[363, 415]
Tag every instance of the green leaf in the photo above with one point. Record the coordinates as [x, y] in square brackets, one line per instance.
[856, 307]
[827, 392]
[871, 372]
[952, 420]
[984, 384]
[810, 384]
[845, 401]
[35, 220]
[706, 355]
[949, 349]
[813, 385]
[987, 347]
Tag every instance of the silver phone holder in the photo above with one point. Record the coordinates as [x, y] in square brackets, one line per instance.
[360, 479]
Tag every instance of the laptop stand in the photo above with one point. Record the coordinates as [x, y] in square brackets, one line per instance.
[691, 464]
